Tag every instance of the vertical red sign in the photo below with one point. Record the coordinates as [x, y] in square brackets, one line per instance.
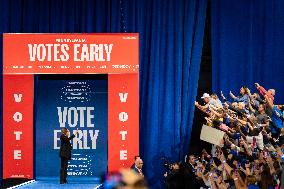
[115, 54]
[123, 121]
[18, 100]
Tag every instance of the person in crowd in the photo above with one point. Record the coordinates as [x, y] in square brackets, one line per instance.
[270, 93]
[175, 176]
[217, 102]
[277, 116]
[243, 95]
[209, 101]
[191, 169]
[124, 179]
[132, 180]
[137, 166]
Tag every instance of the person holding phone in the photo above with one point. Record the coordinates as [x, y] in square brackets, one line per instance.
[65, 153]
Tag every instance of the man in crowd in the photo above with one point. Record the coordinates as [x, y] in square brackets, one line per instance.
[212, 100]
[191, 168]
[137, 166]
[270, 93]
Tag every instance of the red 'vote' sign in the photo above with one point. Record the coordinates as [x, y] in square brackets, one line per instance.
[18, 126]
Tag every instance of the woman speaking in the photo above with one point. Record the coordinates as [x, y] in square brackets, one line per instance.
[65, 153]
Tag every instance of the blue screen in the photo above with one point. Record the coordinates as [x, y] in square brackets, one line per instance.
[74, 104]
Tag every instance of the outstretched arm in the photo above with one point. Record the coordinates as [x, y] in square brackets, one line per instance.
[269, 102]
[64, 138]
[202, 108]
[262, 91]
[232, 95]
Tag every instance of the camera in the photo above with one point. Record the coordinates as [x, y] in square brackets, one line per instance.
[167, 164]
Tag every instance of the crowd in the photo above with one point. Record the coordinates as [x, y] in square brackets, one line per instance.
[251, 154]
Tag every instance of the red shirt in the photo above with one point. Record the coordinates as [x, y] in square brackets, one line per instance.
[263, 92]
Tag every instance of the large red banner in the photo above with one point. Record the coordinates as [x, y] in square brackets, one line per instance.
[123, 121]
[70, 53]
[18, 126]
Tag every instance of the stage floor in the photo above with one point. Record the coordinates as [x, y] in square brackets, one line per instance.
[54, 183]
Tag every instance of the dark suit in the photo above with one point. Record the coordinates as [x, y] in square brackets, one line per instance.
[65, 155]
[191, 180]
[135, 169]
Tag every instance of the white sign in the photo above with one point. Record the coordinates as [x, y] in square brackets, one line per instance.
[212, 135]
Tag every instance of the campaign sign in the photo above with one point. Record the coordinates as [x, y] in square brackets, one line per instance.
[74, 104]
[105, 111]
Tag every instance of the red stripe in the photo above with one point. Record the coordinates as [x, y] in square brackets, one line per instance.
[122, 83]
[23, 167]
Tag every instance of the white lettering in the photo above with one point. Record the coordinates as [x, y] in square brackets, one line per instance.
[123, 155]
[18, 134]
[62, 116]
[75, 116]
[18, 97]
[90, 117]
[123, 134]
[123, 97]
[108, 49]
[56, 139]
[17, 154]
[18, 116]
[94, 138]
[123, 116]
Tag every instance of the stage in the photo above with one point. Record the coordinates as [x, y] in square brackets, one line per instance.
[53, 183]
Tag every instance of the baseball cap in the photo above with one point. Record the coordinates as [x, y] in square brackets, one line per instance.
[205, 95]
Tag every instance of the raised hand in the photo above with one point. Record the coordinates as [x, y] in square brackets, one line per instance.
[232, 95]
[257, 85]
[196, 103]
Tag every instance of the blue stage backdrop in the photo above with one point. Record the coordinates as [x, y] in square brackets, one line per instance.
[75, 104]
[248, 45]
[171, 39]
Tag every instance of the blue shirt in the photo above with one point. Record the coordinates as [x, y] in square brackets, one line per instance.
[276, 114]
[242, 99]
[253, 186]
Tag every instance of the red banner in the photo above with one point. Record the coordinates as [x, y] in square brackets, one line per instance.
[115, 54]
[70, 53]
[123, 121]
[18, 126]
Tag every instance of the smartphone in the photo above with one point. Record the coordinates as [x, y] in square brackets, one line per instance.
[264, 154]
[239, 165]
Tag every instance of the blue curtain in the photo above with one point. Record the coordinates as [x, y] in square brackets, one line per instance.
[171, 39]
[248, 45]
[171, 35]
